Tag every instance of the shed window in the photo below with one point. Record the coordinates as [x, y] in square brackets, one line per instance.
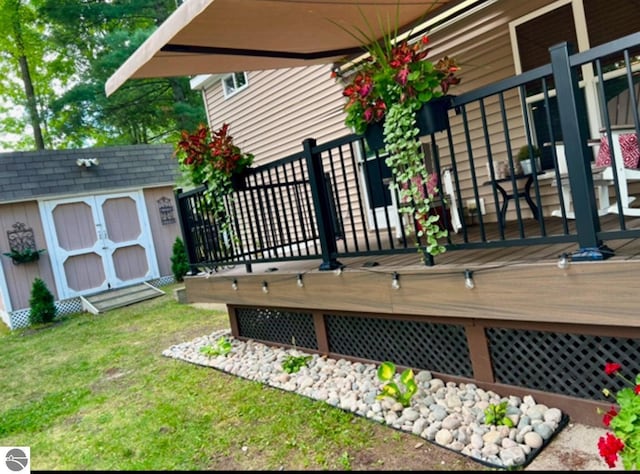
[234, 83]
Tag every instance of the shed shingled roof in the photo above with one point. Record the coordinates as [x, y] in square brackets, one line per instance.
[49, 173]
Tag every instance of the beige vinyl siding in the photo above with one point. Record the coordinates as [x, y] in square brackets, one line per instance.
[20, 278]
[279, 109]
[163, 235]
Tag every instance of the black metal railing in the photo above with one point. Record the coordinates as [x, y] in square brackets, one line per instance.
[337, 199]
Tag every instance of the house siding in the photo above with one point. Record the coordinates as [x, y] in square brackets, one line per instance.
[279, 109]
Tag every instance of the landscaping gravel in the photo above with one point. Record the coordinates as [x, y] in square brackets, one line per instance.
[445, 413]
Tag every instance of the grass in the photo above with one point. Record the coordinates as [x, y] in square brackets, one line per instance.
[95, 393]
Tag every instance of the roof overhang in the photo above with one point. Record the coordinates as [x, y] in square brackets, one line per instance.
[222, 36]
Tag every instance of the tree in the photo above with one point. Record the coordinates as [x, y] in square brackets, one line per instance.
[43, 308]
[23, 69]
[179, 260]
[71, 48]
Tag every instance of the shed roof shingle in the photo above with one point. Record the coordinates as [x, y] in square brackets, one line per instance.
[48, 173]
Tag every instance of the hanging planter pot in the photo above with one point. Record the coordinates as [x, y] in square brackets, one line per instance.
[374, 135]
[239, 180]
[433, 116]
[24, 256]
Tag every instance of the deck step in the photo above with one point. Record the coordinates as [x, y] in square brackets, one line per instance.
[111, 299]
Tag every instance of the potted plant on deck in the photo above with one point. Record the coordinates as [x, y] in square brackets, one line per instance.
[527, 156]
[389, 91]
[212, 159]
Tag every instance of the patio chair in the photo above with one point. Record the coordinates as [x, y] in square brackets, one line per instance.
[626, 154]
[627, 159]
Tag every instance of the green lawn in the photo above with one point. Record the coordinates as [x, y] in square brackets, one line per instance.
[95, 393]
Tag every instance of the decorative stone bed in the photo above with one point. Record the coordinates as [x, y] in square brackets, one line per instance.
[447, 414]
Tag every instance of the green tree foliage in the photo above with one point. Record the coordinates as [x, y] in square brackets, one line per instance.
[179, 260]
[43, 309]
[29, 72]
[75, 47]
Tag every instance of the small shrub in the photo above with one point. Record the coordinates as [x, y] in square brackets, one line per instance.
[179, 260]
[292, 364]
[497, 415]
[386, 373]
[43, 308]
[221, 347]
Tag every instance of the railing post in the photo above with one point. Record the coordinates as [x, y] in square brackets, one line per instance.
[322, 206]
[186, 235]
[571, 106]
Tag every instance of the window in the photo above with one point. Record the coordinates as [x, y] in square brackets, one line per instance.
[584, 24]
[234, 83]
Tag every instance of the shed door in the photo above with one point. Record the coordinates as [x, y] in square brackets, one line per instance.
[99, 242]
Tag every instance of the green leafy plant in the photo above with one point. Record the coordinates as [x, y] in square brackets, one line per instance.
[179, 260]
[401, 391]
[222, 347]
[24, 256]
[496, 414]
[523, 153]
[292, 364]
[624, 421]
[41, 303]
[392, 84]
[210, 158]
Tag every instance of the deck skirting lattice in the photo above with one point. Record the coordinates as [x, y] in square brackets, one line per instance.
[290, 328]
[567, 364]
[418, 344]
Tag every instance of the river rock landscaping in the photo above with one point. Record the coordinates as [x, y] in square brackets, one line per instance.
[448, 414]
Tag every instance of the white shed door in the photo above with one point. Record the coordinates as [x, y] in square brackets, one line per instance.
[99, 242]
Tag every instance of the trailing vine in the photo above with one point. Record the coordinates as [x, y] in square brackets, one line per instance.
[406, 162]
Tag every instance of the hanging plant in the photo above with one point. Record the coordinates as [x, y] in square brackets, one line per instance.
[213, 160]
[24, 256]
[391, 86]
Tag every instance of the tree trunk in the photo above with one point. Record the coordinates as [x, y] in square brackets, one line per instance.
[32, 105]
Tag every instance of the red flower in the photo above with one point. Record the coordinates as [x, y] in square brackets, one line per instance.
[609, 447]
[636, 389]
[608, 416]
[611, 368]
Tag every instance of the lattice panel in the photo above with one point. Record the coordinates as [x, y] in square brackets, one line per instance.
[277, 326]
[20, 318]
[568, 364]
[422, 345]
[162, 281]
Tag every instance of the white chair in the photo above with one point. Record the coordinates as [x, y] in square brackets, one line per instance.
[626, 158]
[601, 184]
[450, 196]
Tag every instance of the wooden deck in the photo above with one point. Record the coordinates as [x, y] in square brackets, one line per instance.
[519, 283]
